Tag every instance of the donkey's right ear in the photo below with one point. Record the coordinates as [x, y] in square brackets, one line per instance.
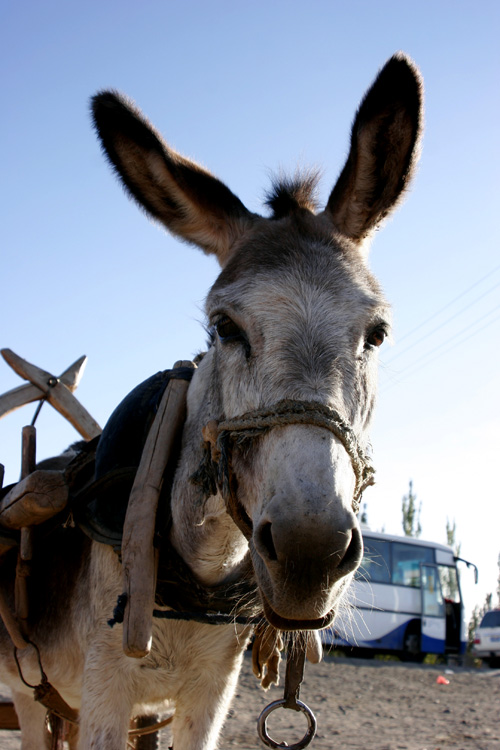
[186, 198]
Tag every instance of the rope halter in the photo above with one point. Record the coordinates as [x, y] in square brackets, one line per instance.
[216, 472]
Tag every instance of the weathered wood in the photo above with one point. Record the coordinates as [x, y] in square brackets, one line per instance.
[6, 543]
[8, 716]
[10, 622]
[28, 460]
[57, 394]
[34, 499]
[138, 553]
[25, 555]
[18, 397]
[26, 394]
[28, 465]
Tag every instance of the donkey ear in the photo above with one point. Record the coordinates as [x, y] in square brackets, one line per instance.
[384, 150]
[187, 199]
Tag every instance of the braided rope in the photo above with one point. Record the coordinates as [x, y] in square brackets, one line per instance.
[290, 411]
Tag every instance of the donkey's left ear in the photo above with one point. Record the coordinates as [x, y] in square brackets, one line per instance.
[384, 150]
[186, 198]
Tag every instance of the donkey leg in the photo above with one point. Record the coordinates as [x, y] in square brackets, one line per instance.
[106, 705]
[202, 706]
[104, 724]
[31, 715]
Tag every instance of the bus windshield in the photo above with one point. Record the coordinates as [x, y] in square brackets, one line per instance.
[393, 562]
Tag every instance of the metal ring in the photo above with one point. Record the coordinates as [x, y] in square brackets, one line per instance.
[299, 706]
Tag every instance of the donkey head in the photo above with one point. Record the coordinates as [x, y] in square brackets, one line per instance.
[296, 319]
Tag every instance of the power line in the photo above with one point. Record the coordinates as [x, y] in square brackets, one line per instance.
[441, 325]
[449, 304]
[460, 341]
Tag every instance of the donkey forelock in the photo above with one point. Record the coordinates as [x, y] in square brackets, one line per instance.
[290, 194]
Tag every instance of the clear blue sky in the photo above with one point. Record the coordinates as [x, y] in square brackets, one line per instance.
[247, 88]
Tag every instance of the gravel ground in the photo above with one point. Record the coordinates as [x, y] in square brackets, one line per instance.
[365, 704]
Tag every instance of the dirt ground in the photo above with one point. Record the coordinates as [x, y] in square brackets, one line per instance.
[364, 704]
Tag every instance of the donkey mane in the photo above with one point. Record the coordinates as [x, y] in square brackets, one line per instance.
[289, 195]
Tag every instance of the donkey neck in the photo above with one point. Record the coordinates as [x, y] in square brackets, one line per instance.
[202, 531]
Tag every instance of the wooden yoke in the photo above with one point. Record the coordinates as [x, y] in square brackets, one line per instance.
[58, 391]
[139, 556]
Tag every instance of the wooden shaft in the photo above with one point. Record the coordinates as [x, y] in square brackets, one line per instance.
[8, 716]
[28, 461]
[23, 568]
[11, 624]
[138, 553]
[28, 465]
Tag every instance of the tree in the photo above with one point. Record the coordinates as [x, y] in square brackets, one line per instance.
[473, 625]
[498, 582]
[448, 576]
[451, 541]
[364, 516]
[411, 514]
[476, 617]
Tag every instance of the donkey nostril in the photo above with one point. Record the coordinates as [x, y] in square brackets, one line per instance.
[266, 543]
[352, 556]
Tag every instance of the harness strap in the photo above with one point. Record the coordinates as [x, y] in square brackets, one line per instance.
[293, 678]
[46, 694]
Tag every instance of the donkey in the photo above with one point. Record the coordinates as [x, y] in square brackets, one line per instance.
[296, 319]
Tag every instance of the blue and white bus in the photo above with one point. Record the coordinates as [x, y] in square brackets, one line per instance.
[405, 599]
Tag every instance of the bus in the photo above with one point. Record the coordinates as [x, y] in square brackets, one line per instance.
[405, 599]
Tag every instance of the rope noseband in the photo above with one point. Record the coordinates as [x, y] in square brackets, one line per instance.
[216, 471]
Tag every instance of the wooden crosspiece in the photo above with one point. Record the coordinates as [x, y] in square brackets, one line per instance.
[58, 391]
[40, 494]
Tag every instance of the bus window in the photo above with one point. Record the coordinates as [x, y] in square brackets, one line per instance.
[376, 563]
[406, 560]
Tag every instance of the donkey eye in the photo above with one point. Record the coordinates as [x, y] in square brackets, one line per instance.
[377, 336]
[227, 329]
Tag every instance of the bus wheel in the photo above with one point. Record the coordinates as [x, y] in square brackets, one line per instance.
[411, 645]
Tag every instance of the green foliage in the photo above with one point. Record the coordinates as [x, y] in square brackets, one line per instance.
[498, 581]
[476, 617]
[451, 531]
[411, 513]
[448, 576]
[434, 659]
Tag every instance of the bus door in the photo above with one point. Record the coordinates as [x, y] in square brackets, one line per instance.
[433, 633]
